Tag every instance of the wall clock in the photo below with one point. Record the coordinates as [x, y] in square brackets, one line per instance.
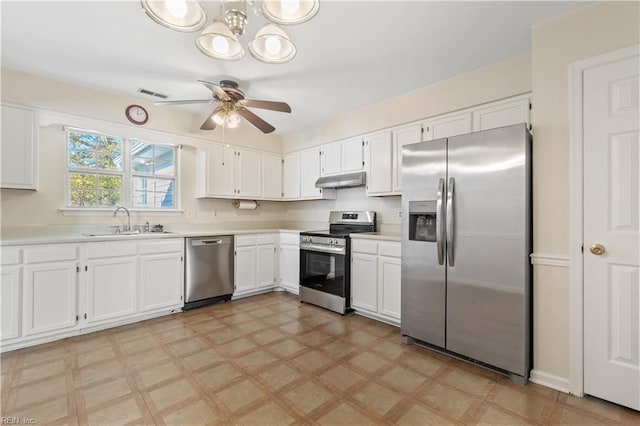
[137, 114]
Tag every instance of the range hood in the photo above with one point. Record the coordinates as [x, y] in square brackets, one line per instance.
[342, 181]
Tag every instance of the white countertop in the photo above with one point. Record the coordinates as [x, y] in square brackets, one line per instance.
[385, 236]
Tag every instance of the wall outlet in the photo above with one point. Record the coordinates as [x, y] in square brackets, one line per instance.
[399, 214]
[214, 214]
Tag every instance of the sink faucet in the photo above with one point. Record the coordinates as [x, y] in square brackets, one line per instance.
[128, 228]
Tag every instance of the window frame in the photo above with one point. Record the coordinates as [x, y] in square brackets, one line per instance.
[127, 175]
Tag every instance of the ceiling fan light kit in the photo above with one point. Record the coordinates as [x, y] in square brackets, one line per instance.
[221, 39]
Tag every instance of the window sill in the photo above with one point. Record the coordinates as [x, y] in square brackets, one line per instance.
[70, 211]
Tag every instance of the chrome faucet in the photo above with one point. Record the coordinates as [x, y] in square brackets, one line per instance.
[128, 228]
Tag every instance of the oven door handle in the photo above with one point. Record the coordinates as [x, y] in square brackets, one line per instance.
[322, 248]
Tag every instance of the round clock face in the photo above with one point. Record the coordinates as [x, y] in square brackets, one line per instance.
[136, 114]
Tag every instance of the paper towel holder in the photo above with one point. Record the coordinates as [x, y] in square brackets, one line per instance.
[237, 204]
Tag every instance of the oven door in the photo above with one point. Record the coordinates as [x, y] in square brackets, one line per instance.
[323, 269]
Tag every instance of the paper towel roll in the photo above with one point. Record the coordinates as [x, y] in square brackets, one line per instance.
[246, 205]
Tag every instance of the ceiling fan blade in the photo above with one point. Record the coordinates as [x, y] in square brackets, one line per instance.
[187, 101]
[209, 124]
[217, 90]
[274, 106]
[255, 120]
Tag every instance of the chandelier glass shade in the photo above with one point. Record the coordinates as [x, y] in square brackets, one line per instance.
[221, 38]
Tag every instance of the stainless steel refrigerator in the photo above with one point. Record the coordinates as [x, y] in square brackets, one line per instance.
[466, 241]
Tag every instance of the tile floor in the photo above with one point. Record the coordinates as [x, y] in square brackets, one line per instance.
[270, 360]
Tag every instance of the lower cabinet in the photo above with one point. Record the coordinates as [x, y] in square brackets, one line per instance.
[290, 261]
[255, 263]
[60, 290]
[375, 279]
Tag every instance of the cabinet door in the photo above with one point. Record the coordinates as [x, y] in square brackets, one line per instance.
[50, 297]
[291, 177]
[379, 163]
[220, 170]
[248, 174]
[18, 148]
[364, 290]
[161, 281]
[389, 286]
[447, 126]
[266, 271]
[309, 173]
[271, 176]
[401, 137]
[352, 155]
[10, 302]
[290, 267]
[111, 288]
[331, 159]
[502, 114]
[245, 269]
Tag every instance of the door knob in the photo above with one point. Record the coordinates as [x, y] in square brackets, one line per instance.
[597, 249]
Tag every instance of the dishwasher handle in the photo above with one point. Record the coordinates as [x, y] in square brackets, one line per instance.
[210, 242]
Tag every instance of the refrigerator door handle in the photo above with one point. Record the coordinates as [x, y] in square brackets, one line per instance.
[450, 224]
[439, 222]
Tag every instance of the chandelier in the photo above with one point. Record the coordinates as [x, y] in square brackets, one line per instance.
[221, 38]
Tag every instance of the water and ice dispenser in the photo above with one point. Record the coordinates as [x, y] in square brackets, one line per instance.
[422, 221]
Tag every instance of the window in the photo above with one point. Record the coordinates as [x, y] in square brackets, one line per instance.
[105, 171]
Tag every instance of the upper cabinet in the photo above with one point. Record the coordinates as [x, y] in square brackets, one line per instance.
[215, 175]
[499, 114]
[248, 173]
[403, 136]
[342, 157]
[378, 159]
[272, 166]
[446, 126]
[291, 176]
[309, 174]
[19, 149]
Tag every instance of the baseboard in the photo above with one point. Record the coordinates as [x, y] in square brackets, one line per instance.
[550, 380]
[547, 259]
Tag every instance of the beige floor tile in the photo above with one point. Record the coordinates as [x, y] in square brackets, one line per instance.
[42, 413]
[308, 396]
[419, 415]
[256, 360]
[223, 335]
[138, 345]
[368, 362]
[239, 318]
[339, 348]
[202, 359]
[468, 382]
[250, 327]
[219, 375]
[449, 400]
[96, 395]
[40, 391]
[279, 375]
[494, 416]
[175, 334]
[267, 336]
[195, 414]
[268, 414]
[335, 328]
[50, 353]
[345, 414]
[189, 346]
[594, 406]
[522, 404]
[118, 414]
[144, 359]
[208, 326]
[360, 338]
[378, 399]
[261, 312]
[312, 360]
[287, 348]
[158, 373]
[40, 371]
[314, 338]
[104, 370]
[403, 379]
[172, 393]
[90, 341]
[388, 349]
[241, 395]
[278, 319]
[131, 332]
[166, 323]
[91, 357]
[423, 361]
[237, 347]
[341, 377]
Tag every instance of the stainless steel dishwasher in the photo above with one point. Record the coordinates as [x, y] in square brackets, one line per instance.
[209, 270]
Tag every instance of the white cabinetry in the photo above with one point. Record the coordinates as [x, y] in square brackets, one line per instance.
[447, 125]
[378, 159]
[309, 174]
[272, 177]
[161, 274]
[375, 279]
[290, 261]
[291, 176]
[215, 176]
[10, 278]
[499, 114]
[331, 159]
[342, 157]
[255, 263]
[352, 155]
[18, 149]
[111, 281]
[248, 173]
[50, 288]
[401, 137]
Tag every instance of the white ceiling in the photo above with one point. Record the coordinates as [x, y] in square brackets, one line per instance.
[352, 54]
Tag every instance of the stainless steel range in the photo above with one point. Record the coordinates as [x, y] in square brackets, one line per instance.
[325, 272]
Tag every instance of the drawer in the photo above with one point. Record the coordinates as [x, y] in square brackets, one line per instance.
[290, 238]
[389, 249]
[164, 246]
[364, 246]
[11, 255]
[111, 249]
[266, 238]
[50, 253]
[245, 240]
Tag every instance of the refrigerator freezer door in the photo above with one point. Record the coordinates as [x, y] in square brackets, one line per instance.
[423, 279]
[488, 286]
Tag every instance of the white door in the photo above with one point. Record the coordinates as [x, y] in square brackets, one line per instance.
[378, 160]
[249, 174]
[245, 265]
[161, 281]
[352, 155]
[331, 159]
[111, 289]
[402, 137]
[500, 115]
[447, 126]
[10, 302]
[19, 149]
[364, 281]
[271, 176]
[290, 267]
[309, 173]
[389, 286]
[221, 171]
[266, 271]
[611, 203]
[291, 177]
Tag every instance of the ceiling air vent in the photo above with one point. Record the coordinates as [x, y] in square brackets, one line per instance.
[151, 93]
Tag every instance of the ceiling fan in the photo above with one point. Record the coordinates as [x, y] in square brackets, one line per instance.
[233, 106]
